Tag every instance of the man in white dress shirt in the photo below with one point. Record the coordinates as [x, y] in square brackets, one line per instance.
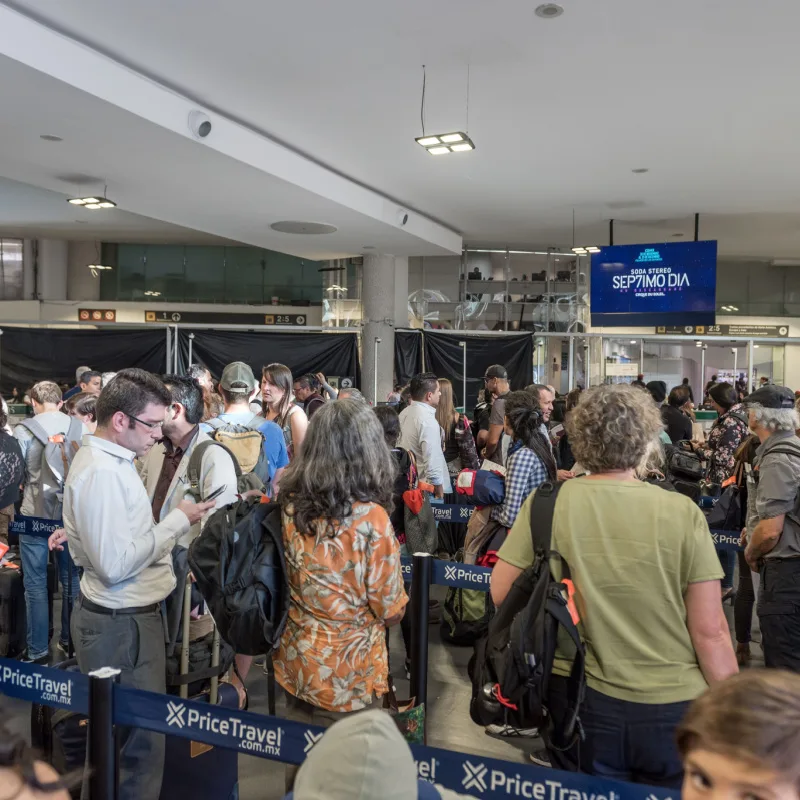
[422, 435]
[126, 558]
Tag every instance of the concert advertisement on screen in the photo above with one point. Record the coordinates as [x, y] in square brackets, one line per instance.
[654, 284]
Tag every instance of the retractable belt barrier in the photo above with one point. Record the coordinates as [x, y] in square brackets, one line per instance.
[33, 526]
[290, 742]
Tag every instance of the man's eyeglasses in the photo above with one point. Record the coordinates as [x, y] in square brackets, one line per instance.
[150, 425]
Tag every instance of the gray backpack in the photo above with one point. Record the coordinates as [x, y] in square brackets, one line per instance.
[57, 454]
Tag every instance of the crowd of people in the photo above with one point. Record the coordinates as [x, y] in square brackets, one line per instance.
[648, 582]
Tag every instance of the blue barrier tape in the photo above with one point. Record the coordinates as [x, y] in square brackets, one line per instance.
[33, 526]
[290, 742]
[452, 573]
[443, 512]
[725, 540]
[45, 685]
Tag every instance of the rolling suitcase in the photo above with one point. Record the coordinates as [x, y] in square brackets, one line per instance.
[13, 617]
[60, 735]
[195, 769]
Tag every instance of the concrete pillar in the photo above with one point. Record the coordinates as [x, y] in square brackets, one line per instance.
[378, 297]
[53, 261]
[400, 293]
[81, 284]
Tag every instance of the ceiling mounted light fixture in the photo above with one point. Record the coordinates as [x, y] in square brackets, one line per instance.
[444, 143]
[50, 137]
[588, 249]
[151, 293]
[93, 202]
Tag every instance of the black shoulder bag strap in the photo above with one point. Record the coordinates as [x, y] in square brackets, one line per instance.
[542, 512]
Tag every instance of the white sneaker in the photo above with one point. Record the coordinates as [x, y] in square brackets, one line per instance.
[510, 732]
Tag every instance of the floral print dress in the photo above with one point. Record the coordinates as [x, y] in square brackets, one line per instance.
[728, 433]
[333, 651]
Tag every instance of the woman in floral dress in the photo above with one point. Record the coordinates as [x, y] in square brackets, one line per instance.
[343, 564]
[724, 438]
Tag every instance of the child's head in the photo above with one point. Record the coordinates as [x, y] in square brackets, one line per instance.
[741, 739]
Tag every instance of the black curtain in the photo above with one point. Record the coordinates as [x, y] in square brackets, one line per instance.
[444, 357]
[407, 355]
[331, 353]
[29, 355]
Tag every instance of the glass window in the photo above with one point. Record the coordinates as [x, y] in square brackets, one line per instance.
[244, 275]
[11, 269]
[205, 275]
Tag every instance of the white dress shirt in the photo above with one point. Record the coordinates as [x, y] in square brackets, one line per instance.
[422, 435]
[125, 555]
[216, 469]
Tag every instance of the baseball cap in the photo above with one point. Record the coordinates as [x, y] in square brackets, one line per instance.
[238, 376]
[497, 371]
[771, 396]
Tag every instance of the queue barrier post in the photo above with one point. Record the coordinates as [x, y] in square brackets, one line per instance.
[420, 600]
[103, 756]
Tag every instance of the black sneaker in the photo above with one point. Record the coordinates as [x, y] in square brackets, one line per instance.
[42, 661]
[540, 757]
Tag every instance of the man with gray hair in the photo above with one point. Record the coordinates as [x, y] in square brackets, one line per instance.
[77, 387]
[773, 548]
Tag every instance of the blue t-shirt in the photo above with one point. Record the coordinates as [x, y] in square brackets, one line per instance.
[274, 444]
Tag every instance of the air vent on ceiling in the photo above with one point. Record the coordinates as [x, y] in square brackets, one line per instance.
[303, 228]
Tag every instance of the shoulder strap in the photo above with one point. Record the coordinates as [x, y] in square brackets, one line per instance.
[75, 430]
[255, 423]
[196, 463]
[37, 430]
[214, 423]
[785, 449]
[542, 510]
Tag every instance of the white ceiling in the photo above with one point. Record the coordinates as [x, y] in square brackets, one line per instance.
[561, 111]
[28, 212]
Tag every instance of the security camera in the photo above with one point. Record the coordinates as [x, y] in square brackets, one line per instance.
[402, 217]
[199, 124]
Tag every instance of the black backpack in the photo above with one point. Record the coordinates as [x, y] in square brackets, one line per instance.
[512, 665]
[240, 569]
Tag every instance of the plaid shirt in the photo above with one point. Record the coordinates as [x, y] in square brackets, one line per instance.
[525, 471]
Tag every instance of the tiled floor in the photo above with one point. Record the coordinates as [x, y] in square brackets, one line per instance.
[449, 725]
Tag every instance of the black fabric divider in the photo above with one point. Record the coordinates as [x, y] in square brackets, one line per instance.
[407, 355]
[444, 357]
[331, 353]
[29, 355]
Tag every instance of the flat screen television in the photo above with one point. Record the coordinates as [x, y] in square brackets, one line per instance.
[674, 283]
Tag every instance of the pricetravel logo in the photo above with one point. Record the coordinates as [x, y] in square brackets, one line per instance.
[248, 736]
[51, 690]
[478, 778]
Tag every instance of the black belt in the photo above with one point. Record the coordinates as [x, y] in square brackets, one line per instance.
[113, 612]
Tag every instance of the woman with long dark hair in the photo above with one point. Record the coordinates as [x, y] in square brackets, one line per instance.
[278, 406]
[343, 565]
[530, 461]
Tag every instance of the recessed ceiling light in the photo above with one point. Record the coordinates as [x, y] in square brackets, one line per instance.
[50, 137]
[303, 228]
[549, 10]
[633, 341]
[640, 170]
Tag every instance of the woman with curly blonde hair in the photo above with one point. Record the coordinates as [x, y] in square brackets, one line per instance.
[646, 579]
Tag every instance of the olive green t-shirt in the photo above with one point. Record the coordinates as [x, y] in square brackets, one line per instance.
[632, 549]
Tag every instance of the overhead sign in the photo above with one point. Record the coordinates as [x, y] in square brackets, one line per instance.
[623, 370]
[224, 318]
[749, 331]
[97, 315]
[673, 284]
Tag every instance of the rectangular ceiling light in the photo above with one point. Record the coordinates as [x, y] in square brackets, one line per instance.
[92, 203]
[456, 142]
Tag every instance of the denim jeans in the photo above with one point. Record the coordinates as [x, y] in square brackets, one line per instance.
[625, 741]
[35, 554]
[69, 574]
[727, 559]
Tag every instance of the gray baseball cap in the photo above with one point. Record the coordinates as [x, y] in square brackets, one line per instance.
[238, 377]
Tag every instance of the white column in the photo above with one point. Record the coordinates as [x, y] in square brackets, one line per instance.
[379, 303]
[52, 264]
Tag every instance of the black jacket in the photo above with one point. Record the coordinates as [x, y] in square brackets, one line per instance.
[12, 469]
[678, 425]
